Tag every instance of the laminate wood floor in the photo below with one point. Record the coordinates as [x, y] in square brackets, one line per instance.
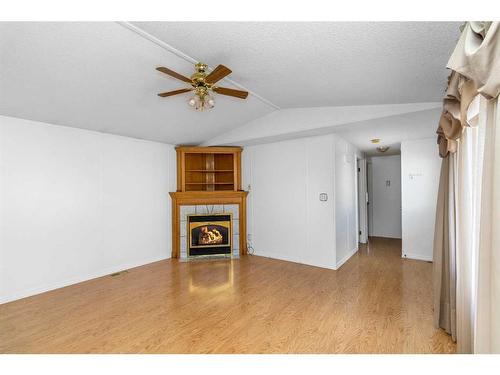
[376, 303]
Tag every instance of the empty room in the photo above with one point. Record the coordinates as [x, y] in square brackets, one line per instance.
[249, 187]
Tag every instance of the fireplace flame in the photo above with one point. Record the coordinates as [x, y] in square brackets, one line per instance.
[209, 237]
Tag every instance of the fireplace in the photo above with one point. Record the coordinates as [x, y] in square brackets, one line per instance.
[208, 184]
[209, 234]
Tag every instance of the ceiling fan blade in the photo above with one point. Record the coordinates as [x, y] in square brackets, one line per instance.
[173, 74]
[170, 93]
[230, 92]
[217, 74]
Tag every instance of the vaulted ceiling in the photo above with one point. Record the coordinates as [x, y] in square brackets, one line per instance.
[100, 75]
[317, 64]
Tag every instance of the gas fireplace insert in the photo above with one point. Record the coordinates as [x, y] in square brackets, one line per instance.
[209, 234]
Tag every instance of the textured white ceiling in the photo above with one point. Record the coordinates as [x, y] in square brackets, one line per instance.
[308, 64]
[391, 131]
[303, 122]
[392, 124]
[101, 76]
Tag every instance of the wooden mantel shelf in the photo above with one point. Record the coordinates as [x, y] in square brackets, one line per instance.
[209, 197]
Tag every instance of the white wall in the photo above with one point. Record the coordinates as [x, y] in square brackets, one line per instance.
[420, 169]
[346, 225]
[76, 204]
[385, 201]
[286, 219]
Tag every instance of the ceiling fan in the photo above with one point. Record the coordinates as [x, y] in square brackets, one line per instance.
[202, 84]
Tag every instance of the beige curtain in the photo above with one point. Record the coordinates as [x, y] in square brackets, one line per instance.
[477, 57]
[468, 185]
[457, 240]
[487, 307]
[444, 261]
[467, 233]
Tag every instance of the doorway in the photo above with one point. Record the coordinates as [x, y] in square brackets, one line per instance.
[384, 196]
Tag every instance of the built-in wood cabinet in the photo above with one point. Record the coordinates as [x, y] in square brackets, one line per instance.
[208, 176]
[208, 169]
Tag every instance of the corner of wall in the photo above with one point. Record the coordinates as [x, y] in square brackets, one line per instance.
[346, 258]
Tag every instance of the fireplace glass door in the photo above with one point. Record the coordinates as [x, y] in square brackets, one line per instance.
[209, 234]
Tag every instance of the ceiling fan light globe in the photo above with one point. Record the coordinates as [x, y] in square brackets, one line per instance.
[192, 102]
[199, 106]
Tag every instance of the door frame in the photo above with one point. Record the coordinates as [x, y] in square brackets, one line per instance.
[362, 189]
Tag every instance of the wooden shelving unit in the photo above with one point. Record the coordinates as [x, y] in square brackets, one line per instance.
[208, 176]
[208, 169]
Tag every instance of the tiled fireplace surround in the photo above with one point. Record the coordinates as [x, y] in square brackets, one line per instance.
[207, 209]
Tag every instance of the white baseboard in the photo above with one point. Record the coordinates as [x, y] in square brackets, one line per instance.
[386, 236]
[75, 280]
[287, 258]
[416, 257]
[346, 258]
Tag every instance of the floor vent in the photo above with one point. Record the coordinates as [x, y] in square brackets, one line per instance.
[118, 273]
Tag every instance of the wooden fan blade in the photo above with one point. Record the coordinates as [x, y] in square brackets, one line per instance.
[170, 93]
[217, 74]
[230, 92]
[173, 74]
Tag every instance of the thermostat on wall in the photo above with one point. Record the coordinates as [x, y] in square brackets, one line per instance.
[323, 197]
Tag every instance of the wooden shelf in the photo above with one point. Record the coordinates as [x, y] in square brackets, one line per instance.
[208, 168]
[209, 183]
[211, 170]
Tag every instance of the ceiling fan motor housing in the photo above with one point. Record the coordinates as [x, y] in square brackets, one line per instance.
[199, 76]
